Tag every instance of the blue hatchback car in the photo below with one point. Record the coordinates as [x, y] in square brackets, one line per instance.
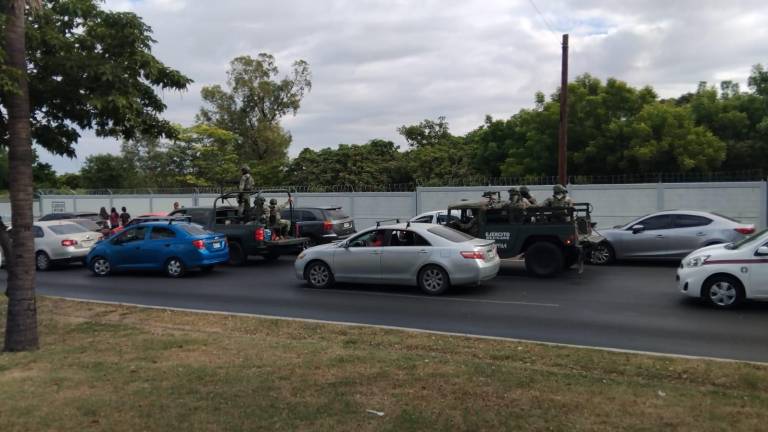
[170, 246]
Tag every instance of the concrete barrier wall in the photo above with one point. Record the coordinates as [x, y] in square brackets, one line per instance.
[613, 204]
[5, 209]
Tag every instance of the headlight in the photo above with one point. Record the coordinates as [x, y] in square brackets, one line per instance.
[696, 261]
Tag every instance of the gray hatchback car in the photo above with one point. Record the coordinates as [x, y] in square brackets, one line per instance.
[668, 235]
[434, 257]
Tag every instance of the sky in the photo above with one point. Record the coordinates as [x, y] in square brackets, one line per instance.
[377, 65]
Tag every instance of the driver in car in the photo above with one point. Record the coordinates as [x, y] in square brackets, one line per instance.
[378, 240]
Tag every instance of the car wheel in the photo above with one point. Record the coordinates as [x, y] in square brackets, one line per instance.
[100, 266]
[433, 280]
[319, 275]
[206, 268]
[236, 254]
[42, 261]
[602, 254]
[174, 268]
[723, 292]
[544, 259]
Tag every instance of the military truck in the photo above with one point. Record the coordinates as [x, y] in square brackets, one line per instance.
[247, 234]
[549, 239]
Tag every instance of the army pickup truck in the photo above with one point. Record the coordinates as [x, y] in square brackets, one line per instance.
[549, 239]
[248, 234]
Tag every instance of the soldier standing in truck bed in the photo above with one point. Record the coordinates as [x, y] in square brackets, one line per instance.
[246, 186]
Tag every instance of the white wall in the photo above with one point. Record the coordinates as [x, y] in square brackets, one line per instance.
[613, 204]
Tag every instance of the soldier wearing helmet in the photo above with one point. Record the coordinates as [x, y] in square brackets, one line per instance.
[526, 193]
[280, 227]
[246, 186]
[516, 199]
[559, 197]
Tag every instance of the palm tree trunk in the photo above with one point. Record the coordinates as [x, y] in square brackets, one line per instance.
[21, 325]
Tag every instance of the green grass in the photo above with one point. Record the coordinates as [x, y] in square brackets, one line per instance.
[104, 367]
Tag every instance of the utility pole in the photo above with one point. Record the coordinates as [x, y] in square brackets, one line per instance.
[562, 158]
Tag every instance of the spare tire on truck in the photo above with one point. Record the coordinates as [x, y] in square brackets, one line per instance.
[544, 259]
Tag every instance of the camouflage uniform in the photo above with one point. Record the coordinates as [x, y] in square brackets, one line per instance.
[246, 185]
[281, 226]
[526, 193]
[517, 205]
[559, 198]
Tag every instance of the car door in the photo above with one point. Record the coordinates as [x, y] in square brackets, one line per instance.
[689, 233]
[127, 248]
[160, 246]
[360, 260]
[403, 256]
[652, 242]
[758, 273]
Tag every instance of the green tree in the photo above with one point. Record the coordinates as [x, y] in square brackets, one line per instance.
[108, 171]
[252, 106]
[69, 66]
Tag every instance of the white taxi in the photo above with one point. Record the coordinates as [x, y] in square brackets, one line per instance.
[726, 274]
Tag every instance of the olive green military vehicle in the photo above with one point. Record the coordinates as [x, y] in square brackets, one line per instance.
[247, 234]
[549, 239]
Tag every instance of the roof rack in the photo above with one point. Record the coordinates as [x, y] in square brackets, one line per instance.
[378, 223]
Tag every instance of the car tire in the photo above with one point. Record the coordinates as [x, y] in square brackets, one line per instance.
[723, 291]
[319, 275]
[100, 266]
[174, 268]
[236, 254]
[544, 259]
[602, 254]
[42, 261]
[433, 280]
[206, 268]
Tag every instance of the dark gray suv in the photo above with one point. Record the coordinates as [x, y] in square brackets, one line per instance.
[322, 224]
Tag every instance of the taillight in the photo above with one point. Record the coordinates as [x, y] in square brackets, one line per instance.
[480, 255]
[198, 244]
[327, 226]
[68, 243]
[258, 235]
[745, 230]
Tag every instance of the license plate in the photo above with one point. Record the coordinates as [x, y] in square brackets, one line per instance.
[217, 245]
[347, 224]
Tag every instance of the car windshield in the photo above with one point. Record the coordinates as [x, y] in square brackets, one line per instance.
[450, 234]
[194, 230]
[337, 214]
[747, 240]
[67, 229]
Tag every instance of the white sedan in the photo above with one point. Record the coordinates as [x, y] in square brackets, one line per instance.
[434, 257]
[724, 275]
[61, 241]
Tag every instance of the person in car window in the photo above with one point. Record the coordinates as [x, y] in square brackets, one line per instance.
[378, 240]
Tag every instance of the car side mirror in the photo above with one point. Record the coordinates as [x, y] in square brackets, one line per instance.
[762, 251]
[637, 229]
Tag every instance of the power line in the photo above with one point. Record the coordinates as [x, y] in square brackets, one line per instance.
[543, 18]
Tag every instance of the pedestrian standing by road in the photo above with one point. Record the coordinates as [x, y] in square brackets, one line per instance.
[176, 206]
[114, 218]
[125, 217]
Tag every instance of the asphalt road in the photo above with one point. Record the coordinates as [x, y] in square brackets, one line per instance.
[635, 307]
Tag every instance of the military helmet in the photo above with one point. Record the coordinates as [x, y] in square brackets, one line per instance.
[513, 191]
[244, 169]
[259, 200]
[559, 189]
[273, 202]
[524, 190]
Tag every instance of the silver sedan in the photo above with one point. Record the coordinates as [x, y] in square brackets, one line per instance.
[434, 257]
[667, 235]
